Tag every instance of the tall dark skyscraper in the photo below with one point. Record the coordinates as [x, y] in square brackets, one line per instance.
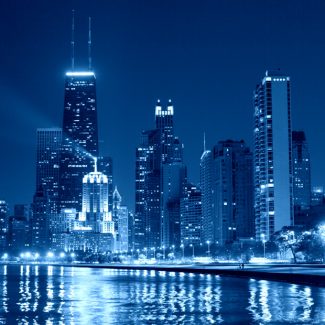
[232, 184]
[191, 216]
[105, 166]
[80, 135]
[3, 224]
[206, 177]
[301, 171]
[272, 155]
[48, 163]
[160, 181]
[40, 227]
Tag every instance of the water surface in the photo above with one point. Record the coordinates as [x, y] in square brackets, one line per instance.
[41, 294]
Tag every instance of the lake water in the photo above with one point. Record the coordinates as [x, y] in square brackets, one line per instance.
[71, 295]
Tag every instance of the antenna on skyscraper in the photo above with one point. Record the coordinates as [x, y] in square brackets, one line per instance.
[89, 43]
[204, 148]
[72, 41]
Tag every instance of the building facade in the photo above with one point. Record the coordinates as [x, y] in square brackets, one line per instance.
[3, 225]
[301, 171]
[157, 202]
[79, 136]
[206, 178]
[272, 155]
[47, 164]
[191, 216]
[232, 184]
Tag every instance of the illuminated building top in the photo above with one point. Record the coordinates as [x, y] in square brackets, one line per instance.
[80, 74]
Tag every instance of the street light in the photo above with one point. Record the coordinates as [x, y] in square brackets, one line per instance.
[182, 247]
[208, 243]
[164, 252]
[146, 252]
[191, 245]
[154, 252]
[263, 241]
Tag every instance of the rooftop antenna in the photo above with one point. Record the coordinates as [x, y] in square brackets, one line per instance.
[204, 147]
[72, 41]
[89, 43]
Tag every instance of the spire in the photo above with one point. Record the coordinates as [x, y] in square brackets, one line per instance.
[204, 147]
[89, 43]
[72, 41]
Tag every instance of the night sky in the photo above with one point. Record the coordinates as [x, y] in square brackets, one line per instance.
[207, 56]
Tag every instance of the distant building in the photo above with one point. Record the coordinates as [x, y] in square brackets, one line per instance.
[92, 228]
[105, 166]
[40, 231]
[272, 155]
[47, 165]
[157, 207]
[3, 225]
[131, 231]
[22, 210]
[121, 215]
[317, 196]
[191, 216]
[206, 185]
[18, 234]
[301, 171]
[232, 185]
[80, 136]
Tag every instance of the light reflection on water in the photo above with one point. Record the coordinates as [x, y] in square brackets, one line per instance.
[57, 295]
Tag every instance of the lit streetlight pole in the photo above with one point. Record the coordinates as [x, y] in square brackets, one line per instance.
[164, 252]
[182, 247]
[191, 245]
[263, 241]
[208, 243]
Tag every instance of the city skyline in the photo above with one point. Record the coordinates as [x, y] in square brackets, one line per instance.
[126, 104]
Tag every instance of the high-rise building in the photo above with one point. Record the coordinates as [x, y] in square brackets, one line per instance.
[18, 234]
[94, 214]
[105, 166]
[301, 171]
[173, 189]
[158, 158]
[3, 225]
[191, 216]
[80, 135]
[48, 163]
[121, 215]
[272, 155]
[232, 184]
[40, 232]
[206, 177]
[317, 196]
[147, 192]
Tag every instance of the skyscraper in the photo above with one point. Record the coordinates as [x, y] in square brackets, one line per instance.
[147, 192]
[48, 163]
[105, 166]
[191, 216]
[232, 184]
[272, 155]
[160, 176]
[206, 175]
[40, 232]
[121, 215]
[301, 171]
[80, 135]
[3, 224]
[94, 213]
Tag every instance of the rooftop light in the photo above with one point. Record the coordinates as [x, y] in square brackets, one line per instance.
[80, 74]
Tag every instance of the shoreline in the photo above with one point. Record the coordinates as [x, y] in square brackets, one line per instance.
[297, 274]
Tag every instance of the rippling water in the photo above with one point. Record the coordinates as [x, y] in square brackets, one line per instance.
[71, 295]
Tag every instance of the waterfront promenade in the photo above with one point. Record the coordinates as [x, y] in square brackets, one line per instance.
[310, 274]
